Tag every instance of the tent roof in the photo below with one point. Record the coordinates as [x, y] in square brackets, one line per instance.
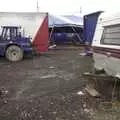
[68, 20]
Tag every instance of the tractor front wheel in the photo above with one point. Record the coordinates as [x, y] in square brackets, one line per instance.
[14, 53]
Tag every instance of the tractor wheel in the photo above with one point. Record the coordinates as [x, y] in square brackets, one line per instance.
[14, 53]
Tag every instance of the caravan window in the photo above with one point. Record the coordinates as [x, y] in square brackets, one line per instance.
[111, 35]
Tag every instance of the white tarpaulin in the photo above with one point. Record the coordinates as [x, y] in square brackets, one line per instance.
[65, 20]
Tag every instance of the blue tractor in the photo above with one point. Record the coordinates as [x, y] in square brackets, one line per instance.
[13, 45]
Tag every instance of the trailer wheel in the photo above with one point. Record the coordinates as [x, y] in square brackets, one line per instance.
[14, 53]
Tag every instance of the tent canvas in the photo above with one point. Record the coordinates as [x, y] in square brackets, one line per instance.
[65, 29]
[69, 20]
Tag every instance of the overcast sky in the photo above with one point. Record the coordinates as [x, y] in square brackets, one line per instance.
[60, 6]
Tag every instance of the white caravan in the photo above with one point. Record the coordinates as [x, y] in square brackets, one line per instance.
[106, 44]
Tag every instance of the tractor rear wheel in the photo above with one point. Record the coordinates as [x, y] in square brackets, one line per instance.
[14, 53]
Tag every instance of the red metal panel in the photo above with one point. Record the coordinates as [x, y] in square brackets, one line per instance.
[40, 40]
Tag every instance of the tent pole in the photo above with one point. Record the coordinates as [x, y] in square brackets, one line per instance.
[52, 31]
[77, 35]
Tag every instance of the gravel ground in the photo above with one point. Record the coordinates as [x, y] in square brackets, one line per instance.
[48, 87]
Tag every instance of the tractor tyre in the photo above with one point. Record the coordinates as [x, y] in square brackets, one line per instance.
[14, 53]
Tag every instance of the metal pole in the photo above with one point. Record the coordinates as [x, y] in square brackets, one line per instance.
[37, 6]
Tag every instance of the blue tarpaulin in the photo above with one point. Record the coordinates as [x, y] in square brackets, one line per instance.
[90, 22]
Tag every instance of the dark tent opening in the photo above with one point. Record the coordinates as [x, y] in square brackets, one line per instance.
[66, 29]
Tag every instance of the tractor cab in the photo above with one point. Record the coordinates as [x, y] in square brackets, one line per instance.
[10, 33]
[13, 41]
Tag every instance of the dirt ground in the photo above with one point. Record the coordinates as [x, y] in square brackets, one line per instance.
[49, 87]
